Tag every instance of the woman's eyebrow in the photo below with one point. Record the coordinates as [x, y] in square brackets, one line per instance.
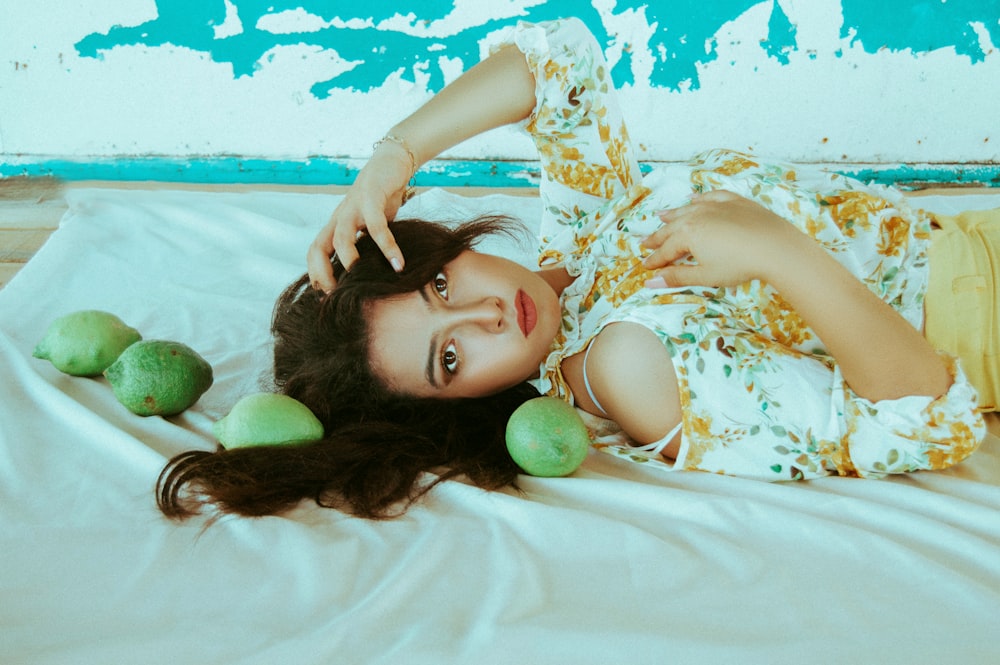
[431, 357]
[432, 351]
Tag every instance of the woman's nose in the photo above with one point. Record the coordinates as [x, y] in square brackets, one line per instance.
[486, 314]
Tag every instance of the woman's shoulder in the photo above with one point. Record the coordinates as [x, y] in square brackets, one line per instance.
[632, 376]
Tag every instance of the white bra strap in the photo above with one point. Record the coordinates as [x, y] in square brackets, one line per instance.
[657, 447]
[586, 382]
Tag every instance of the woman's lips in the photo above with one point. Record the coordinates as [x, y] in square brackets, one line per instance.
[527, 315]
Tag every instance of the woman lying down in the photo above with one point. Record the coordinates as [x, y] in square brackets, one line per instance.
[763, 322]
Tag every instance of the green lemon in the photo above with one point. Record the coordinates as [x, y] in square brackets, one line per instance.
[546, 437]
[159, 378]
[85, 343]
[267, 419]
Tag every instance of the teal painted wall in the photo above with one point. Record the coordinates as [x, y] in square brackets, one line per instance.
[298, 89]
[686, 33]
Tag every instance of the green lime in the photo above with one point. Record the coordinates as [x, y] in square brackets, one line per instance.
[546, 437]
[159, 378]
[85, 343]
[267, 419]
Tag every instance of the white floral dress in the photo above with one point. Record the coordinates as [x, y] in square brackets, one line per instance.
[761, 397]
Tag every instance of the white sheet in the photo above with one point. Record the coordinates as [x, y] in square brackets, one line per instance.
[616, 564]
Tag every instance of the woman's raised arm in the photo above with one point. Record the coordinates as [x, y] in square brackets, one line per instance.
[498, 91]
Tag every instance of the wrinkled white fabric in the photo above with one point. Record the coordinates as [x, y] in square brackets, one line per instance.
[615, 564]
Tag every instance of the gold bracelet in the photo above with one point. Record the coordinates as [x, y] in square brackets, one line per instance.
[409, 192]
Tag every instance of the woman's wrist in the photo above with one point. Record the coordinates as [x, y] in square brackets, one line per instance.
[396, 149]
[786, 256]
[393, 139]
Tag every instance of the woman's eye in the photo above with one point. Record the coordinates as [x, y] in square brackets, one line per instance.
[441, 285]
[449, 359]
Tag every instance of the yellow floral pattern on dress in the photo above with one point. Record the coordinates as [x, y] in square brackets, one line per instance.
[760, 394]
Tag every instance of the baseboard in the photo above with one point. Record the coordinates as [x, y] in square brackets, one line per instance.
[438, 173]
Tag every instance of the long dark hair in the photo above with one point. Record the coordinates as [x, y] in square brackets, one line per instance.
[378, 444]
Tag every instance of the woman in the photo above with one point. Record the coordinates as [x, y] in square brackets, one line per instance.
[744, 319]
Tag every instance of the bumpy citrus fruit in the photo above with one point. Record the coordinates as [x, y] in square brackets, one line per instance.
[86, 342]
[158, 377]
[267, 419]
[546, 437]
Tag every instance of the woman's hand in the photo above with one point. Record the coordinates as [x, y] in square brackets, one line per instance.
[369, 205]
[498, 91]
[732, 239]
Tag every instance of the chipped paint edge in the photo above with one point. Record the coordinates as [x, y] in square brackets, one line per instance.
[438, 173]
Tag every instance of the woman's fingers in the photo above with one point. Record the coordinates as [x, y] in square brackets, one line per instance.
[340, 236]
[367, 207]
[673, 219]
[378, 229]
[669, 242]
[670, 247]
[668, 272]
[730, 239]
[345, 236]
[375, 223]
[675, 276]
[318, 260]
[656, 238]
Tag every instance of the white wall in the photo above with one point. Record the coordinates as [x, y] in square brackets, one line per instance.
[805, 80]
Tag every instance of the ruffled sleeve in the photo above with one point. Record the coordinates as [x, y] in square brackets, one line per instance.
[577, 126]
[910, 433]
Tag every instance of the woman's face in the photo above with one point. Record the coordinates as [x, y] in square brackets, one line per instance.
[482, 325]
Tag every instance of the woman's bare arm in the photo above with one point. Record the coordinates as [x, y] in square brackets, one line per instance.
[498, 91]
[734, 240]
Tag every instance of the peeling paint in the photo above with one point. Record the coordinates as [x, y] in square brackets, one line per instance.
[679, 35]
[894, 81]
[478, 173]
[921, 27]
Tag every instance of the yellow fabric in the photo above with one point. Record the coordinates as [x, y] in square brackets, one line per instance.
[962, 297]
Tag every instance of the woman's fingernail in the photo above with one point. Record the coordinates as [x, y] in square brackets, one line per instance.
[656, 283]
[396, 264]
